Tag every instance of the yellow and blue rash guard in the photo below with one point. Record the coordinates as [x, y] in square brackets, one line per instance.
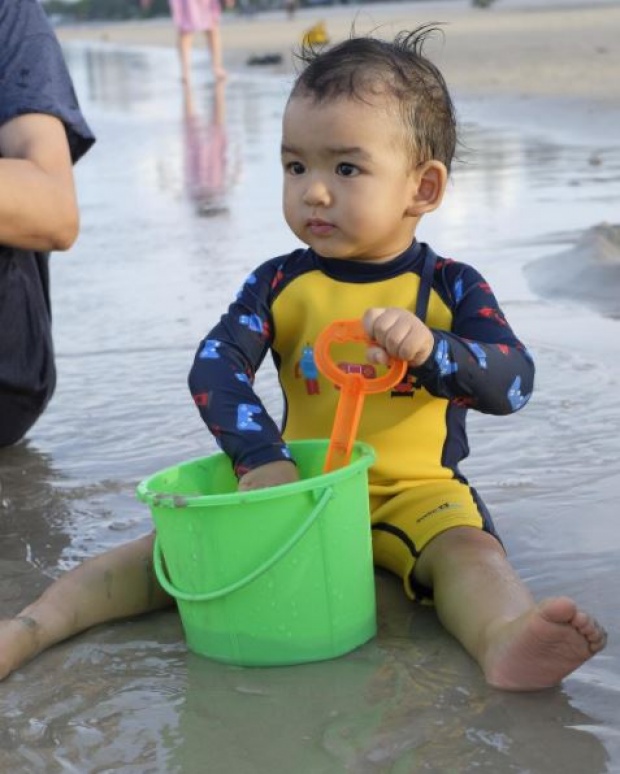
[417, 429]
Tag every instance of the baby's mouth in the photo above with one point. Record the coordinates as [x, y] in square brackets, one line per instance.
[320, 227]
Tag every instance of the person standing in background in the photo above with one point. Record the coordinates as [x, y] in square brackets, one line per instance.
[190, 17]
[42, 134]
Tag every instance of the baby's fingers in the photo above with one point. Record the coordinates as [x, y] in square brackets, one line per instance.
[369, 320]
[377, 355]
[400, 334]
[391, 329]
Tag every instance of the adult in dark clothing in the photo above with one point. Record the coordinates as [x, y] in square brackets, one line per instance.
[42, 134]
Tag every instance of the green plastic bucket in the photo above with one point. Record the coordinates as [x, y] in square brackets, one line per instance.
[273, 576]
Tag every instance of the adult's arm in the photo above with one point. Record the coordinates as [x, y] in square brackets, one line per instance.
[38, 206]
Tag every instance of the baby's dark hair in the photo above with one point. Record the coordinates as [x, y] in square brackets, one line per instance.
[363, 66]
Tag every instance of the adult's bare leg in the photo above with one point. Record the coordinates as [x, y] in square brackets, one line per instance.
[184, 42]
[214, 43]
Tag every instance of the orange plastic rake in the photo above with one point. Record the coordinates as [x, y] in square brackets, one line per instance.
[353, 388]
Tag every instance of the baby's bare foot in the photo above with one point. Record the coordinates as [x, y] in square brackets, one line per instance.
[538, 649]
[18, 643]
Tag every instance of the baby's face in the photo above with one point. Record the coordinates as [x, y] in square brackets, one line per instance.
[348, 177]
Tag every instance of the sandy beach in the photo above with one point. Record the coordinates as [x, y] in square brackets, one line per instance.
[525, 51]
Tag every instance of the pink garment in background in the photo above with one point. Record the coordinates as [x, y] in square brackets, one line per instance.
[205, 162]
[195, 15]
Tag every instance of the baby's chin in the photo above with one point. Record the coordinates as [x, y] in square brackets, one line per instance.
[328, 249]
[334, 246]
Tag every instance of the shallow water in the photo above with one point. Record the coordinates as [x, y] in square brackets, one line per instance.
[161, 252]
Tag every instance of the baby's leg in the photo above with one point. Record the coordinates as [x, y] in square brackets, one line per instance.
[117, 584]
[520, 645]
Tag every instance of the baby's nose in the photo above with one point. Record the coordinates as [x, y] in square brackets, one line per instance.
[317, 193]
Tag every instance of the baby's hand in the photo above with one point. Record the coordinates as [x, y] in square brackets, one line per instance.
[271, 474]
[399, 334]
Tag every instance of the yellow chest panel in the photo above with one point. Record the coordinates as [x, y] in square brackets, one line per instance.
[406, 426]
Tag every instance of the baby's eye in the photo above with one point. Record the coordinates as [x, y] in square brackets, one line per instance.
[347, 170]
[294, 168]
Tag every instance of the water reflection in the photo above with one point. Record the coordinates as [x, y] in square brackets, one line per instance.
[117, 79]
[33, 512]
[207, 173]
[106, 701]
[409, 702]
[130, 697]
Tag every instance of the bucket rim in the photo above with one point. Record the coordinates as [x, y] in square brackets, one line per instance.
[367, 456]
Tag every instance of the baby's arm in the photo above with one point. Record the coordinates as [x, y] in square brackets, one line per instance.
[479, 363]
[222, 378]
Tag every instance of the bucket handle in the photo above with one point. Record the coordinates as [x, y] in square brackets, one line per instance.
[208, 596]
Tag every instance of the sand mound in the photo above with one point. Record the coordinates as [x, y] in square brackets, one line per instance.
[589, 272]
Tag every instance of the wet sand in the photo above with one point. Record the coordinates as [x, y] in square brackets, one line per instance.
[155, 262]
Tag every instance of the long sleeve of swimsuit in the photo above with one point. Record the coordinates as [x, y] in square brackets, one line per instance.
[222, 377]
[480, 363]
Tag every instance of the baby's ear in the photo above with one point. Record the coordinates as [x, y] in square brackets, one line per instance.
[431, 180]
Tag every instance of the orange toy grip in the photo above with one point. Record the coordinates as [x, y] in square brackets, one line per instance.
[339, 332]
[353, 387]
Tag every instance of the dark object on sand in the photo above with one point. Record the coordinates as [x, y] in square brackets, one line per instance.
[482, 3]
[265, 59]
